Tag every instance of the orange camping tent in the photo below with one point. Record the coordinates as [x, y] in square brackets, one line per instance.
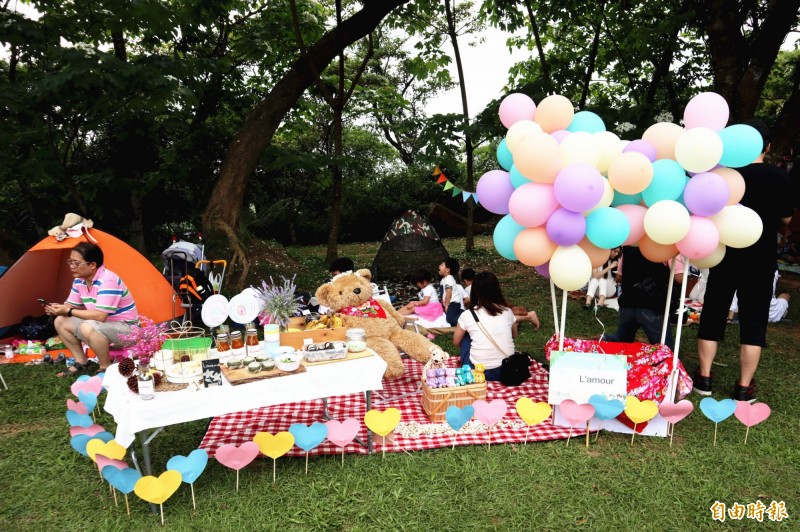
[42, 272]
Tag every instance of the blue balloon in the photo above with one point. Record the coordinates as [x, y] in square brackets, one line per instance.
[586, 121]
[669, 180]
[517, 179]
[741, 144]
[504, 156]
[607, 227]
[505, 232]
[625, 199]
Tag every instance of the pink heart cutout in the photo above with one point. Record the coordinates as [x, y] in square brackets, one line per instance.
[103, 461]
[237, 457]
[751, 415]
[93, 385]
[674, 412]
[77, 407]
[490, 413]
[340, 434]
[89, 431]
[574, 413]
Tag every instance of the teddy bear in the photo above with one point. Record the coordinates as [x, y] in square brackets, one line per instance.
[350, 295]
[437, 360]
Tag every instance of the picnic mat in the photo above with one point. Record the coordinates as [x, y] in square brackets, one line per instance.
[414, 433]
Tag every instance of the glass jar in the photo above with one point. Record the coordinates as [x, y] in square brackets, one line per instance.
[355, 340]
[223, 342]
[251, 336]
[236, 340]
[146, 383]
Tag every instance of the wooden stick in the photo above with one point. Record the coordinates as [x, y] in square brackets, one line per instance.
[526, 434]
[383, 450]
[490, 438]
[671, 435]
[161, 506]
[587, 434]
[454, 441]
[273, 470]
[342, 456]
[597, 434]
[715, 434]
[194, 505]
[746, 432]
[306, 462]
[570, 435]
[127, 506]
[634, 433]
[237, 481]
[116, 505]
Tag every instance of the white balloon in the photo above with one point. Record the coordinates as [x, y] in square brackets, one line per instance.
[570, 267]
[610, 147]
[580, 147]
[739, 226]
[698, 149]
[666, 222]
[518, 130]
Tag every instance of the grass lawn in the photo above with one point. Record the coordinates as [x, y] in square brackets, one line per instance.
[45, 485]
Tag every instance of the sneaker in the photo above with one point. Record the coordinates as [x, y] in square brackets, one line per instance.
[702, 385]
[745, 393]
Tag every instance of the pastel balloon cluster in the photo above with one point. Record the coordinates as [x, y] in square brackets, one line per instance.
[571, 191]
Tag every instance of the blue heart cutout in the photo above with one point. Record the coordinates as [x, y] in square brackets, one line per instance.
[121, 479]
[89, 400]
[458, 417]
[104, 436]
[308, 437]
[190, 467]
[79, 443]
[717, 411]
[83, 378]
[606, 408]
[79, 420]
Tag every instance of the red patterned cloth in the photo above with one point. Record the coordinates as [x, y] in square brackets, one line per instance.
[370, 309]
[649, 366]
[242, 426]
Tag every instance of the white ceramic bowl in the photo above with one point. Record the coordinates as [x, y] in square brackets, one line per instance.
[283, 365]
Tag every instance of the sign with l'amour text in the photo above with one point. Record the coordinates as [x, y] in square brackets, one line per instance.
[578, 376]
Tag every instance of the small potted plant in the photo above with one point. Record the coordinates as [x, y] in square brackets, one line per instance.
[278, 302]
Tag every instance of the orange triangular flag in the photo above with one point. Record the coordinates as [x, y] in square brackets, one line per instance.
[436, 171]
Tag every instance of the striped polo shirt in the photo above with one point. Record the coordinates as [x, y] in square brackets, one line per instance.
[107, 294]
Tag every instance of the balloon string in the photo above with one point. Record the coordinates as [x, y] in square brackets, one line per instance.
[602, 326]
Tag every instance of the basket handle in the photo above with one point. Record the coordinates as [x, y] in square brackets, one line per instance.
[442, 403]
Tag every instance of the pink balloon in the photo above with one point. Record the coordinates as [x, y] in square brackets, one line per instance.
[706, 194]
[578, 187]
[701, 240]
[494, 190]
[635, 215]
[532, 204]
[641, 146]
[560, 135]
[516, 107]
[707, 109]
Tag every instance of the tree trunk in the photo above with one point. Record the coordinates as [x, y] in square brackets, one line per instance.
[548, 80]
[787, 126]
[337, 193]
[592, 58]
[136, 227]
[255, 134]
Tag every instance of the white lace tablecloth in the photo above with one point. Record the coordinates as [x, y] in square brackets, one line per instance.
[133, 415]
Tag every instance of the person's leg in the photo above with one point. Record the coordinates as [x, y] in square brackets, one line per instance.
[97, 341]
[466, 344]
[720, 288]
[626, 327]
[652, 322]
[706, 351]
[492, 374]
[65, 327]
[754, 307]
[590, 290]
[749, 355]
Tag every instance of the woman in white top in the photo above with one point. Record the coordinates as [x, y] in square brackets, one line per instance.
[602, 284]
[497, 318]
[451, 293]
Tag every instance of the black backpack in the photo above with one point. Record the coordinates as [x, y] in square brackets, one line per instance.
[515, 369]
[196, 285]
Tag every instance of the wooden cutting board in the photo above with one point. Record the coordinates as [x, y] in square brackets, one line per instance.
[242, 376]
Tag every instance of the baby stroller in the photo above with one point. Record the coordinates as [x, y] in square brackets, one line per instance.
[192, 277]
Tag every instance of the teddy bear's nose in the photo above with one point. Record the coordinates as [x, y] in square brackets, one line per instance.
[356, 290]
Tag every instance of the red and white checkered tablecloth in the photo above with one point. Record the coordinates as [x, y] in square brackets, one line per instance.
[414, 433]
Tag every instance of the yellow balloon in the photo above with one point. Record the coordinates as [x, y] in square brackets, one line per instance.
[276, 445]
[157, 490]
[664, 136]
[698, 149]
[518, 130]
[111, 449]
[382, 423]
[630, 173]
[570, 267]
[610, 148]
[532, 413]
[553, 113]
[739, 226]
[711, 260]
[580, 147]
[537, 156]
[640, 411]
[735, 183]
[605, 200]
[666, 222]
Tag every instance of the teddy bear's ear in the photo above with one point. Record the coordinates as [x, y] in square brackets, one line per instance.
[322, 293]
[365, 273]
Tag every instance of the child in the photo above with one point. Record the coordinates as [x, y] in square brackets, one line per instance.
[428, 306]
[467, 276]
[451, 293]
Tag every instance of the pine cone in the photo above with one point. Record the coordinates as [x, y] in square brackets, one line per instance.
[157, 378]
[126, 367]
[185, 358]
[133, 384]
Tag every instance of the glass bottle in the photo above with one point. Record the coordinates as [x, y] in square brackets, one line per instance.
[236, 340]
[251, 336]
[223, 343]
[144, 379]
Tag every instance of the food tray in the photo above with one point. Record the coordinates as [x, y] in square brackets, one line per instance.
[338, 352]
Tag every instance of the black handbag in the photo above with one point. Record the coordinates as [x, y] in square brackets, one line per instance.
[515, 368]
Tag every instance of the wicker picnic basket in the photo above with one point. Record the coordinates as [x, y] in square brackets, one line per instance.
[436, 401]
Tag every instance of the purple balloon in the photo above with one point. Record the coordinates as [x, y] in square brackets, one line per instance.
[494, 190]
[641, 146]
[578, 187]
[706, 194]
[543, 270]
[565, 227]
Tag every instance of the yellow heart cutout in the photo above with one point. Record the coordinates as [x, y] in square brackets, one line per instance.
[533, 413]
[110, 450]
[274, 446]
[157, 490]
[640, 411]
[382, 423]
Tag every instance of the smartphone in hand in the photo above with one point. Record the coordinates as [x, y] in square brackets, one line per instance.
[42, 302]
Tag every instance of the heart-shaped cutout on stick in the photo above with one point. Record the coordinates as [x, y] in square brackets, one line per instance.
[190, 467]
[157, 490]
[605, 409]
[342, 433]
[576, 414]
[236, 458]
[274, 446]
[490, 413]
[80, 408]
[640, 411]
[79, 441]
[717, 411]
[382, 423]
[122, 480]
[308, 436]
[91, 430]
[675, 412]
[89, 399]
[103, 462]
[458, 417]
[92, 385]
[751, 414]
[79, 420]
[532, 413]
[109, 449]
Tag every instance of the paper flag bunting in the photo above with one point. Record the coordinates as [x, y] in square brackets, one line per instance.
[190, 467]
[122, 480]
[157, 490]
[308, 436]
[717, 411]
[436, 171]
[274, 446]
[576, 414]
[237, 457]
[342, 434]
[490, 413]
[640, 411]
[109, 449]
[458, 417]
[455, 191]
[532, 413]
[448, 185]
[604, 408]
[442, 179]
[382, 423]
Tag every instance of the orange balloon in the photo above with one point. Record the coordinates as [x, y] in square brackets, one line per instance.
[537, 157]
[597, 256]
[655, 252]
[553, 113]
[533, 247]
[735, 183]
[664, 136]
[630, 173]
